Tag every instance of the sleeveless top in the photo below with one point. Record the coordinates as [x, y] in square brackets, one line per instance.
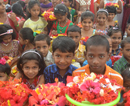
[108, 1]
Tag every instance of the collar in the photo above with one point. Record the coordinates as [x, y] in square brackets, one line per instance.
[80, 48]
[48, 55]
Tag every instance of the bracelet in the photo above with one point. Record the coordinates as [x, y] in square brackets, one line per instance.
[17, 25]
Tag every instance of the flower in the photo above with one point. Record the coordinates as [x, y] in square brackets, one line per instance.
[2, 61]
[90, 86]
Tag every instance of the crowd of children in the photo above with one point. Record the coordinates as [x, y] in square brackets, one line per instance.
[84, 38]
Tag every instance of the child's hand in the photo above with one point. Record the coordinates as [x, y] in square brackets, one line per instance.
[79, 13]
[54, 32]
[12, 16]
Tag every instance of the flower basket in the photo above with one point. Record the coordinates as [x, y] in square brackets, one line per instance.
[91, 104]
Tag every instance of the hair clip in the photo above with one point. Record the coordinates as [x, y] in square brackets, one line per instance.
[2, 61]
[8, 32]
[102, 10]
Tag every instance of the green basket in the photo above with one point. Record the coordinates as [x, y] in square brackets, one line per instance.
[86, 103]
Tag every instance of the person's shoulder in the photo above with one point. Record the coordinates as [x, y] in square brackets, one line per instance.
[120, 61]
[50, 68]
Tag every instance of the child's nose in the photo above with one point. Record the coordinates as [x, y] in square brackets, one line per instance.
[62, 60]
[95, 61]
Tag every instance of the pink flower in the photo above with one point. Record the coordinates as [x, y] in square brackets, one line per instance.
[2, 61]
[90, 86]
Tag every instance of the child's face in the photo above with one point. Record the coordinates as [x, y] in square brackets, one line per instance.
[2, 6]
[116, 39]
[110, 44]
[75, 36]
[126, 84]
[87, 24]
[62, 60]
[60, 17]
[128, 31]
[101, 18]
[3, 76]
[7, 39]
[31, 69]
[97, 57]
[35, 11]
[67, 3]
[55, 2]
[126, 51]
[111, 16]
[42, 46]
[21, 41]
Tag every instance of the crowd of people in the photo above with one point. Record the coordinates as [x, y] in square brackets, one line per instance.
[86, 36]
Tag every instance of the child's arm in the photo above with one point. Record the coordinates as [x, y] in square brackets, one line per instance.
[41, 80]
[119, 10]
[78, 60]
[101, 4]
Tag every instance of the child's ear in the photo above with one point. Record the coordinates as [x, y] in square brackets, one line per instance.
[85, 53]
[121, 50]
[26, 41]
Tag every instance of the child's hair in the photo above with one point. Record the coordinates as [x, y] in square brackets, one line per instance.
[106, 36]
[31, 4]
[31, 55]
[113, 30]
[5, 69]
[17, 9]
[111, 9]
[87, 14]
[64, 44]
[124, 41]
[74, 28]
[126, 73]
[6, 30]
[102, 11]
[13, 1]
[27, 34]
[60, 9]
[128, 24]
[42, 37]
[98, 40]
[22, 3]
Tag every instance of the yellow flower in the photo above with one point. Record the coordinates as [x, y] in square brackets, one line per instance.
[116, 21]
[1, 23]
[8, 102]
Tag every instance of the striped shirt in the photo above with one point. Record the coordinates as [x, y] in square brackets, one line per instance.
[111, 74]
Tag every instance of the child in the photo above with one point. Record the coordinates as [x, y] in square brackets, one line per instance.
[26, 38]
[97, 53]
[62, 23]
[123, 62]
[127, 31]
[54, 3]
[34, 21]
[31, 66]
[112, 12]
[101, 26]
[4, 70]
[63, 52]
[116, 36]
[8, 46]
[45, 5]
[109, 63]
[42, 43]
[87, 19]
[74, 32]
[71, 10]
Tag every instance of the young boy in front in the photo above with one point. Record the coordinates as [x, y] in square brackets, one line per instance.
[74, 32]
[97, 53]
[63, 49]
[123, 62]
[42, 43]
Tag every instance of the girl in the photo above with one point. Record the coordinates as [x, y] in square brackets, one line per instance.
[34, 21]
[87, 19]
[45, 5]
[101, 26]
[26, 38]
[116, 36]
[31, 66]
[62, 23]
[8, 46]
[4, 70]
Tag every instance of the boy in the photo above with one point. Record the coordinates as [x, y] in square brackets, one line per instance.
[63, 52]
[74, 32]
[42, 43]
[123, 62]
[97, 53]
[71, 10]
[112, 12]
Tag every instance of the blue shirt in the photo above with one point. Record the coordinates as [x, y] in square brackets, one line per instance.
[51, 72]
[109, 63]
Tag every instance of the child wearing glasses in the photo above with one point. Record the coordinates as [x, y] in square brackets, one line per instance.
[62, 23]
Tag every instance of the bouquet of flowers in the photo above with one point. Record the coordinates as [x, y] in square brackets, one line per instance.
[97, 89]
[8, 59]
[112, 4]
[13, 93]
[49, 16]
[48, 94]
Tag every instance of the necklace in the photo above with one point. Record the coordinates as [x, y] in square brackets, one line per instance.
[62, 27]
[5, 44]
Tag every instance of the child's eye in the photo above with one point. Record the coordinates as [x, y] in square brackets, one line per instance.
[76, 36]
[44, 46]
[38, 47]
[101, 56]
[26, 67]
[57, 55]
[34, 67]
[67, 56]
[90, 56]
[127, 49]
[119, 38]
[114, 38]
